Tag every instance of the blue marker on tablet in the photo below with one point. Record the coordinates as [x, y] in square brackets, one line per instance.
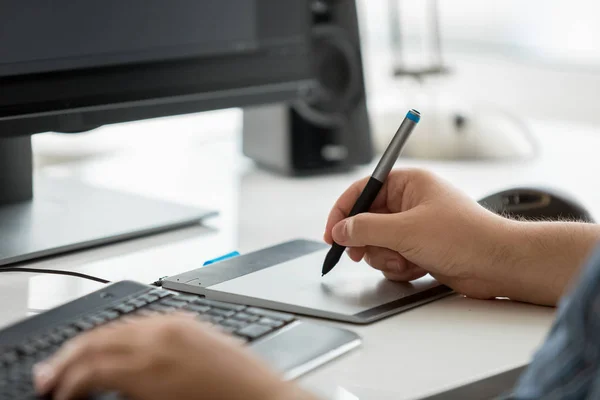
[221, 258]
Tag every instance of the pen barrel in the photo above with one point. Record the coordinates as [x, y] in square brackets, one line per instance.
[367, 197]
[391, 154]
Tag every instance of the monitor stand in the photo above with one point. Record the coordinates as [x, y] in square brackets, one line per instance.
[53, 216]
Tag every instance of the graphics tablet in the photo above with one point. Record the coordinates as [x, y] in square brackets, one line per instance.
[287, 277]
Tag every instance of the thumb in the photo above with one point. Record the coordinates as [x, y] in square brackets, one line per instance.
[368, 229]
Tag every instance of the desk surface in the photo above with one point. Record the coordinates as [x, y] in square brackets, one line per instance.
[196, 160]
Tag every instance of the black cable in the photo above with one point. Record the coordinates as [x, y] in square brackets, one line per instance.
[55, 272]
[157, 283]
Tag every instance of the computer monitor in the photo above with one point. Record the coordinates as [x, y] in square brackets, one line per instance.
[71, 66]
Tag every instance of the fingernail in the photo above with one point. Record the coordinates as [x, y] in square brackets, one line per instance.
[340, 231]
[392, 265]
[43, 374]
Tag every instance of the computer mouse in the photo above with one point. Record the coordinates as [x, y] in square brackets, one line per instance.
[536, 204]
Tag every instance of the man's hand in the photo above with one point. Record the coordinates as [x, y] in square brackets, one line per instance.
[163, 357]
[420, 224]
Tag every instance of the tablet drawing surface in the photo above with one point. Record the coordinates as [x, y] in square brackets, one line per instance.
[353, 291]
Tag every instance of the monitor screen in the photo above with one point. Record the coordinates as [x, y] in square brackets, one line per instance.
[71, 65]
[80, 34]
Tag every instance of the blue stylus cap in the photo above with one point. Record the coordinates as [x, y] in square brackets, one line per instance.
[223, 257]
[414, 115]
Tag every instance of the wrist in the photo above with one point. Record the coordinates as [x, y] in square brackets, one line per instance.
[536, 261]
[497, 238]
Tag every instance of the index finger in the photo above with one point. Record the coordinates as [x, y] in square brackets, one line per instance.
[344, 204]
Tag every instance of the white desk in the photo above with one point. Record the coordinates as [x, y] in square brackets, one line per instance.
[440, 345]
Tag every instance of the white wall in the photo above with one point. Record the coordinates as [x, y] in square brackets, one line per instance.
[559, 30]
[540, 58]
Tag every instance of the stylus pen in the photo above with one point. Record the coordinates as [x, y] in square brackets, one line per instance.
[380, 174]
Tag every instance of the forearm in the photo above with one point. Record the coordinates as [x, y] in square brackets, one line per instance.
[542, 259]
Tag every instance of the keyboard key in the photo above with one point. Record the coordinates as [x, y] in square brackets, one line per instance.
[254, 331]
[270, 314]
[41, 343]
[96, 320]
[227, 329]
[185, 297]
[275, 323]
[148, 298]
[234, 323]
[83, 325]
[55, 337]
[69, 332]
[220, 313]
[196, 308]
[109, 315]
[14, 374]
[8, 357]
[124, 308]
[136, 303]
[246, 317]
[173, 303]
[27, 349]
[219, 304]
[160, 293]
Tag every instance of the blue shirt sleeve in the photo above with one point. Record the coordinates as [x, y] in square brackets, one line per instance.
[566, 366]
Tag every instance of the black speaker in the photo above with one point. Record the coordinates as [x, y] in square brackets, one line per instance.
[326, 129]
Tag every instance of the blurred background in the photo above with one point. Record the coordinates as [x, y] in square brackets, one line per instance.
[538, 59]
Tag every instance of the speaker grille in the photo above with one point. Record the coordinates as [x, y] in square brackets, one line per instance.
[337, 64]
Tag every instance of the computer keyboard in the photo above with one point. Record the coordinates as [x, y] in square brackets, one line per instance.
[33, 340]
